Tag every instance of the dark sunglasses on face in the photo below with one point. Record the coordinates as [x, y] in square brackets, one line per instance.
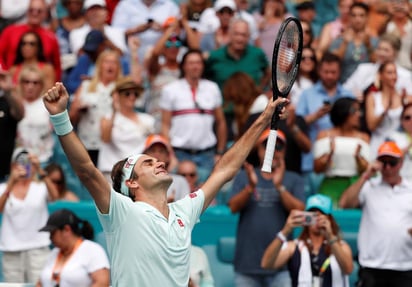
[391, 162]
[57, 181]
[170, 44]
[189, 174]
[130, 93]
[312, 58]
[407, 117]
[226, 10]
[279, 146]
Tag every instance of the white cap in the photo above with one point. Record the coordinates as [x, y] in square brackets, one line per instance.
[127, 172]
[91, 3]
[220, 4]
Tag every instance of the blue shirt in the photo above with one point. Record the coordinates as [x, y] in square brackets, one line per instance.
[310, 101]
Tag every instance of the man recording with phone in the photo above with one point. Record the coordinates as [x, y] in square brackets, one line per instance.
[264, 201]
[385, 237]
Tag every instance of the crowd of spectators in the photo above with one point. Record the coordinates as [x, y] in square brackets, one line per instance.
[183, 81]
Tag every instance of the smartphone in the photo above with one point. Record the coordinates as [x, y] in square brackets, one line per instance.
[24, 160]
[326, 102]
[150, 20]
[309, 218]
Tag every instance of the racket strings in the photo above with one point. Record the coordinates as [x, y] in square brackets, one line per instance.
[287, 57]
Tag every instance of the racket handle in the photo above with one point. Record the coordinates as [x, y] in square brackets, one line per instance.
[270, 151]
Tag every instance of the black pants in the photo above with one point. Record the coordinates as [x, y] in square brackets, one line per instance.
[371, 277]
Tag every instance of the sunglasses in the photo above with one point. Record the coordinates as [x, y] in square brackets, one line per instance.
[354, 110]
[307, 32]
[130, 93]
[279, 146]
[170, 44]
[226, 10]
[29, 43]
[390, 162]
[34, 82]
[190, 174]
[312, 58]
[57, 181]
[407, 118]
[35, 11]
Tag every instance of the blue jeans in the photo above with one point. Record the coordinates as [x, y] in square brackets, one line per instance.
[280, 279]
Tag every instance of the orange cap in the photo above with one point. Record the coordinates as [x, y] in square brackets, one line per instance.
[154, 139]
[389, 149]
[264, 136]
[169, 21]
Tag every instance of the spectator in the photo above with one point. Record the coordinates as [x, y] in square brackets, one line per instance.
[23, 205]
[143, 19]
[334, 29]
[75, 259]
[188, 170]
[12, 109]
[30, 53]
[200, 275]
[163, 68]
[307, 76]
[34, 131]
[271, 16]
[400, 24]
[383, 107]
[306, 12]
[12, 12]
[211, 39]
[10, 37]
[138, 199]
[308, 37]
[96, 16]
[56, 175]
[342, 152]
[238, 56]
[73, 20]
[123, 129]
[403, 139]
[92, 101]
[314, 105]
[318, 243]
[158, 147]
[385, 229]
[355, 45]
[263, 201]
[193, 10]
[364, 77]
[191, 108]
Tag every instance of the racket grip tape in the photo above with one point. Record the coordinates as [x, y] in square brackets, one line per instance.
[270, 151]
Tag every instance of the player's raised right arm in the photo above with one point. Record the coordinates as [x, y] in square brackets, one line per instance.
[55, 101]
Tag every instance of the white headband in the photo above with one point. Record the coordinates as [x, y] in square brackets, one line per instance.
[127, 172]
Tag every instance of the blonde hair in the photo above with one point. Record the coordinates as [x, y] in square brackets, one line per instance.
[97, 73]
[31, 69]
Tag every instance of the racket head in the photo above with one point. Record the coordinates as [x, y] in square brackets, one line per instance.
[287, 54]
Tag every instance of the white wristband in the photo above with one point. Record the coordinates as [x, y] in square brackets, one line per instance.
[61, 123]
[281, 236]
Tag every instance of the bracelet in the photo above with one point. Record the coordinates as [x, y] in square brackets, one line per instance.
[61, 123]
[333, 240]
[281, 236]
[281, 189]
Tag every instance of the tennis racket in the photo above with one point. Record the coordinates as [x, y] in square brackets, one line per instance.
[287, 53]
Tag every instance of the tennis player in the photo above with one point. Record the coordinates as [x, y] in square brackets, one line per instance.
[148, 239]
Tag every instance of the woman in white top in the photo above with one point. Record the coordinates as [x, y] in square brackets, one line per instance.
[383, 107]
[124, 130]
[23, 205]
[75, 260]
[34, 131]
[342, 152]
[92, 101]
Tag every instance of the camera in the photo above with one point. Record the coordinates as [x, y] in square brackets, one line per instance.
[150, 20]
[326, 102]
[309, 218]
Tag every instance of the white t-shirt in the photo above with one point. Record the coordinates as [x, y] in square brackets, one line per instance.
[384, 241]
[145, 248]
[35, 132]
[403, 141]
[22, 219]
[88, 258]
[128, 137]
[343, 158]
[99, 104]
[191, 130]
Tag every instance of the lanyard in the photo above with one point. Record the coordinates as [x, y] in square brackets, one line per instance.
[58, 268]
